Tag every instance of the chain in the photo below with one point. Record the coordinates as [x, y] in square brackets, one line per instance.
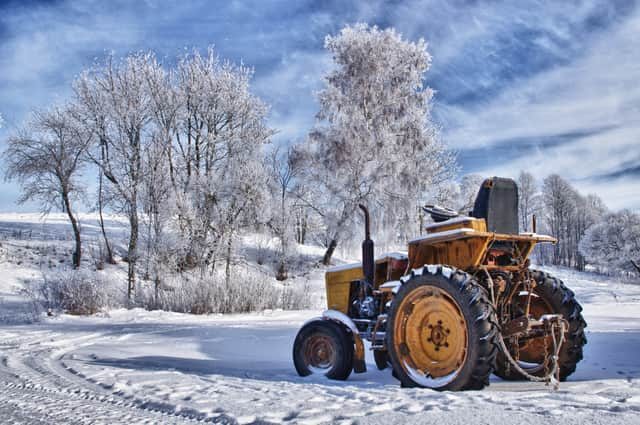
[547, 359]
[553, 376]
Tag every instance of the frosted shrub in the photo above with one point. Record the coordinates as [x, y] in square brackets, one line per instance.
[74, 291]
[247, 291]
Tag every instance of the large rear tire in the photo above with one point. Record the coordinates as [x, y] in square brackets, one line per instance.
[550, 296]
[323, 347]
[442, 331]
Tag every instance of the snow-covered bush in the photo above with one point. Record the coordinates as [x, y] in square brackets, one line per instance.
[247, 291]
[75, 292]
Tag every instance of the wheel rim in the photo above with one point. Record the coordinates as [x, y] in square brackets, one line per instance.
[319, 353]
[430, 336]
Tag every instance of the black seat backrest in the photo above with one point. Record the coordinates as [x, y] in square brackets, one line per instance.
[497, 203]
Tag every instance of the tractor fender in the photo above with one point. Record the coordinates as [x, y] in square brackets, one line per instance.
[359, 365]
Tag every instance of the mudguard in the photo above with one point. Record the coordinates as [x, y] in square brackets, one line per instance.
[359, 365]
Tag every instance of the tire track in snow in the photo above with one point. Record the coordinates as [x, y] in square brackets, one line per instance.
[39, 388]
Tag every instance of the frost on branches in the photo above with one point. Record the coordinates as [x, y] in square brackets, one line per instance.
[613, 244]
[374, 142]
[183, 143]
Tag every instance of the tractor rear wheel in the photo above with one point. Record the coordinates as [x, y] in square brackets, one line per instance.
[442, 331]
[323, 347]
[550, 296]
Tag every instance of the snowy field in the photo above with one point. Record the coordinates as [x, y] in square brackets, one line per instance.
[135, 366]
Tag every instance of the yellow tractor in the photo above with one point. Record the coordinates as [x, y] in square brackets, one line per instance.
[460, 304]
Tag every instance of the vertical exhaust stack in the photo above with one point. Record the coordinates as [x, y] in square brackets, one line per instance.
[367, 248]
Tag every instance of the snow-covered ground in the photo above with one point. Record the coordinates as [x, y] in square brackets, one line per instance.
[135, 366]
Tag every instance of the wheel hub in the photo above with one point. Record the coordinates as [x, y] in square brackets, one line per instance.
[319, 352]
[431, 332]
[438, 335]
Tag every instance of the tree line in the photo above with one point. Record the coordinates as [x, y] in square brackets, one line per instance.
[588, 232]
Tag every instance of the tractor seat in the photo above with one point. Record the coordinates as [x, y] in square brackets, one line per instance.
[440, 214]
[497, 203]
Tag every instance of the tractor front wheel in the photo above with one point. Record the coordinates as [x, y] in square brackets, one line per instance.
[323, 347]
[442, 331]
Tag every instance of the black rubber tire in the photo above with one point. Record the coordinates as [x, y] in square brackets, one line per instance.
[562, 301]
[381, 358]
[481, 326]
[342, 344]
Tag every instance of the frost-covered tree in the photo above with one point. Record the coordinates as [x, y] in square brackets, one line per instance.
[559, 201]
[613, 244]
[114, 101]
[567, 216]
[157, 198]
[157, 204]
[46, 158]
[374, 142]
[588, 211]
[216, 164]
[528, 200]
[283, 171]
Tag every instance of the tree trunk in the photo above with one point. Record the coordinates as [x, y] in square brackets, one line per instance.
[227, 269]
[281, 273]
[76, 230]
[132, 253]
[326, 260]
[107, 245]
[637, 267]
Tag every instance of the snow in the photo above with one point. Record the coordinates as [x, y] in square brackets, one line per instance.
[396, 255]
[136, 366]
[454, 232]
[344, 267]
[462, 219]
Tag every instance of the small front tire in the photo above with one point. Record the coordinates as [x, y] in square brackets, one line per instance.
[323, 347]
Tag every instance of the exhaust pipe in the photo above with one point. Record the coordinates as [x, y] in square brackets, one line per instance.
[368, 265]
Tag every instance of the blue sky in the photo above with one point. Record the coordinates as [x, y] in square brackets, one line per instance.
[547, 86]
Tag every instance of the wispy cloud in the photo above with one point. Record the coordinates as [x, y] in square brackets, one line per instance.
[584, 111]
[550, 86]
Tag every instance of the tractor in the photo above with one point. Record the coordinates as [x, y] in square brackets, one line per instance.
[460, 304]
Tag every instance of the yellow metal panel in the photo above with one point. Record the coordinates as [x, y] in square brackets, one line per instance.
[462, 251]
[338, 283]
